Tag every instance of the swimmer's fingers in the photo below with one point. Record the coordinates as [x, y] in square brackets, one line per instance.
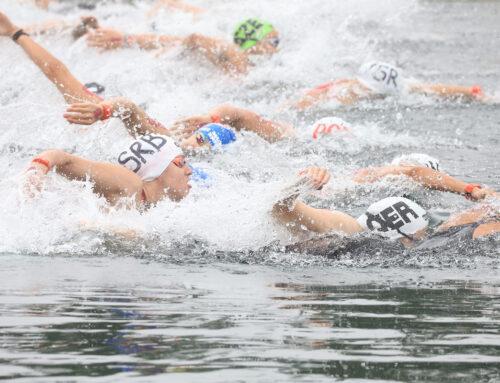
[319, 176]
[84, 113]
[33, 180]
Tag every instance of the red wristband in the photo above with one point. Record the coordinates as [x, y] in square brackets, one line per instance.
[476, 90]
[107, 112]
[215, 118]
[468, 190]
[42, 161]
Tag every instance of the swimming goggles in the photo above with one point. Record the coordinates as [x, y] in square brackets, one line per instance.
[179, 161]
[274, 42]
[201, 139]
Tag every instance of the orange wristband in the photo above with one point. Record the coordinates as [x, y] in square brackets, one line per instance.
[215, 118]
[107, 112]
[476, 90]
[42, 161]
[468, 190]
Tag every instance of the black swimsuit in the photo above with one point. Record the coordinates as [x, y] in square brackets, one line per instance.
[333, 246]
[452, 236]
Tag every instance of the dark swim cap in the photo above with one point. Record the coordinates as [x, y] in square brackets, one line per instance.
[248, 33]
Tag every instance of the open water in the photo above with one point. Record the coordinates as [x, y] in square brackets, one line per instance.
[197, 295]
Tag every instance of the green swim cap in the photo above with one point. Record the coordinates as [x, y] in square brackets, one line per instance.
[249, 32]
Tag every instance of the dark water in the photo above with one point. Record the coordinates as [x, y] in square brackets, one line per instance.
[125, 318]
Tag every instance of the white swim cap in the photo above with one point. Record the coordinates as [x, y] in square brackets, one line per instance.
[394, 217]
[380, 77]
[417, 159]
[328, 125]
[149, 155]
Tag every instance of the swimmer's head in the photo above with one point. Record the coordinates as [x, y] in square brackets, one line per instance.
[379, 77]
[211, 135]
[394, 217]
[328, 126]
[416, 159]
[158, 158]
[252, 31]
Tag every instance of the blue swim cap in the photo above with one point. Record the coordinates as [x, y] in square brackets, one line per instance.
[217, 134]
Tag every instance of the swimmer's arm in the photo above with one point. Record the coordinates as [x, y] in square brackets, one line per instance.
[436, 180]
[71, 89]
[316, 220]
[423, 175]
[133, 117]
[110, 38]
[296, 215]
[243, 119]
[450, 91]
[110, 180]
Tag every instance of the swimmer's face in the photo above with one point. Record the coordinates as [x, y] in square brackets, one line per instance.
[196, 141]
[268, 44]
[175, 179]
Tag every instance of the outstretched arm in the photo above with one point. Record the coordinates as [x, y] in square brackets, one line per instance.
[451, 91]
[110, 180]
[423, 175]
[72, 89]
[110, 38]
[295, 214]
[133, 117]
[236, 118]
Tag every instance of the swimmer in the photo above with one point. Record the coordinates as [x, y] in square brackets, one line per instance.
[251, 37]
[87, 107]
[222, 120]
[150, 169]
[394, 217]
[378, 80]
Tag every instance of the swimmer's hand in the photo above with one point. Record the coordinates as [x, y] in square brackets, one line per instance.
[84, 113]
[318, 176]
[106, 39]
[480, 194]
[313, 178]
[33, 179]
[187, 126]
